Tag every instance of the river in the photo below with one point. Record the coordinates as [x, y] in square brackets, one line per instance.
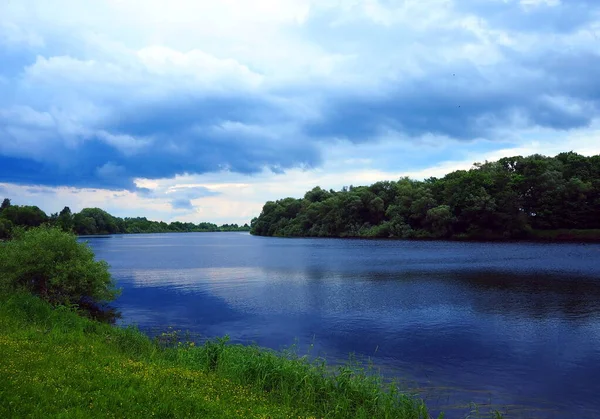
[512, 326]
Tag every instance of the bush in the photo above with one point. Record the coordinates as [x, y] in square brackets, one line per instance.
[28, 216]
[5, 229]
[54, 265]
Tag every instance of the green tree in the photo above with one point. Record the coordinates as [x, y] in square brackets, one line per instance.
[5, 229]
[5, 204]
[55, 266]
[440, 220]
[83, 225]
[316, 195]
[65, 219]
[104, 222]
[503, 199]
[25, 216]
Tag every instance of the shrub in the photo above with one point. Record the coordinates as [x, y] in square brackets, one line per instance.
[54, 265]
[5, 229]
[29, 216]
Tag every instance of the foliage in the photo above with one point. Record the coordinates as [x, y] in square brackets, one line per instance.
[55, 266]
[5, 204]
[26, 216]
[143, 225]
[507, 199]
[65, 220]
[95, 221]
[5, 229]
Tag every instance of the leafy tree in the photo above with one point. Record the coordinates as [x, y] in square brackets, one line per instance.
[83, 225]
[440, 220]
[5, 204]
[103, 221]
[92, 221]
[503, 199]
[316, 195]
[55, 266]
[5, 229]
[64, 220]
[26, 216]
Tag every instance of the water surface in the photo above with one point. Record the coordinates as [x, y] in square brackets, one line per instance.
[514, 325]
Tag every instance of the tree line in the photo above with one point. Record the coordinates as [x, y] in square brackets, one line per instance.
[92, 221]
[512, 198]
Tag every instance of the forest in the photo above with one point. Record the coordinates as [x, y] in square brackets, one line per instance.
[512, 198]
[92, 221]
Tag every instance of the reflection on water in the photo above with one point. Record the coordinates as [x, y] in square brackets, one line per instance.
[516, 325]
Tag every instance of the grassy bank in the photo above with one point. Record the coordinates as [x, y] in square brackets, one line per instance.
[55, 363]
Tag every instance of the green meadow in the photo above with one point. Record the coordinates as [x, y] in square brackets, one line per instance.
[56, 363]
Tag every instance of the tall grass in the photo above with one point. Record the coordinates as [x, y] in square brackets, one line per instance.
[54, 362]
[342, 392]
[43, 349]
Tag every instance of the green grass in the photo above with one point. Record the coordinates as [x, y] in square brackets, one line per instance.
[55, 363]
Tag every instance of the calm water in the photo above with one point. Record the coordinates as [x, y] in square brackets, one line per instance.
[514, 325]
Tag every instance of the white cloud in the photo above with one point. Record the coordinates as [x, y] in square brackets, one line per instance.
[539, 3]
[12, 35]
[151, 70]
[126, 143]
[198, 65]
[79, 64]
[26, 116]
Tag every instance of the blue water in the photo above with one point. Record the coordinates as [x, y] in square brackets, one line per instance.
[512, 326]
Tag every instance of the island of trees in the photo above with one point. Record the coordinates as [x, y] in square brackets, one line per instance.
[92, 221]
[535, 197]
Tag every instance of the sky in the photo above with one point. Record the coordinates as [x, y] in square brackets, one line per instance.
[197, 110]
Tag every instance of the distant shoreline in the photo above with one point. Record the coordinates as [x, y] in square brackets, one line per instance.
[161, 232]
[536, 236]
[515, 198]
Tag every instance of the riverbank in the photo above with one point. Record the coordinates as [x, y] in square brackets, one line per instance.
[566, 235]
[54, 362]
[546, 236]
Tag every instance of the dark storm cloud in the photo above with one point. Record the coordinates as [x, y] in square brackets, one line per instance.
[559, 90]
[567, 16]
[70, 119]
[182, 204]
[180, 198]
[187, 136]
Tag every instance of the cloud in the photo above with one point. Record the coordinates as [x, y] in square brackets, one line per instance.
[546, 16]
[465, 102]
[36, 191]
[180, 196]
[183, 113]
[182, 204]
[12, 35]
[108, 95]
[228, 197]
